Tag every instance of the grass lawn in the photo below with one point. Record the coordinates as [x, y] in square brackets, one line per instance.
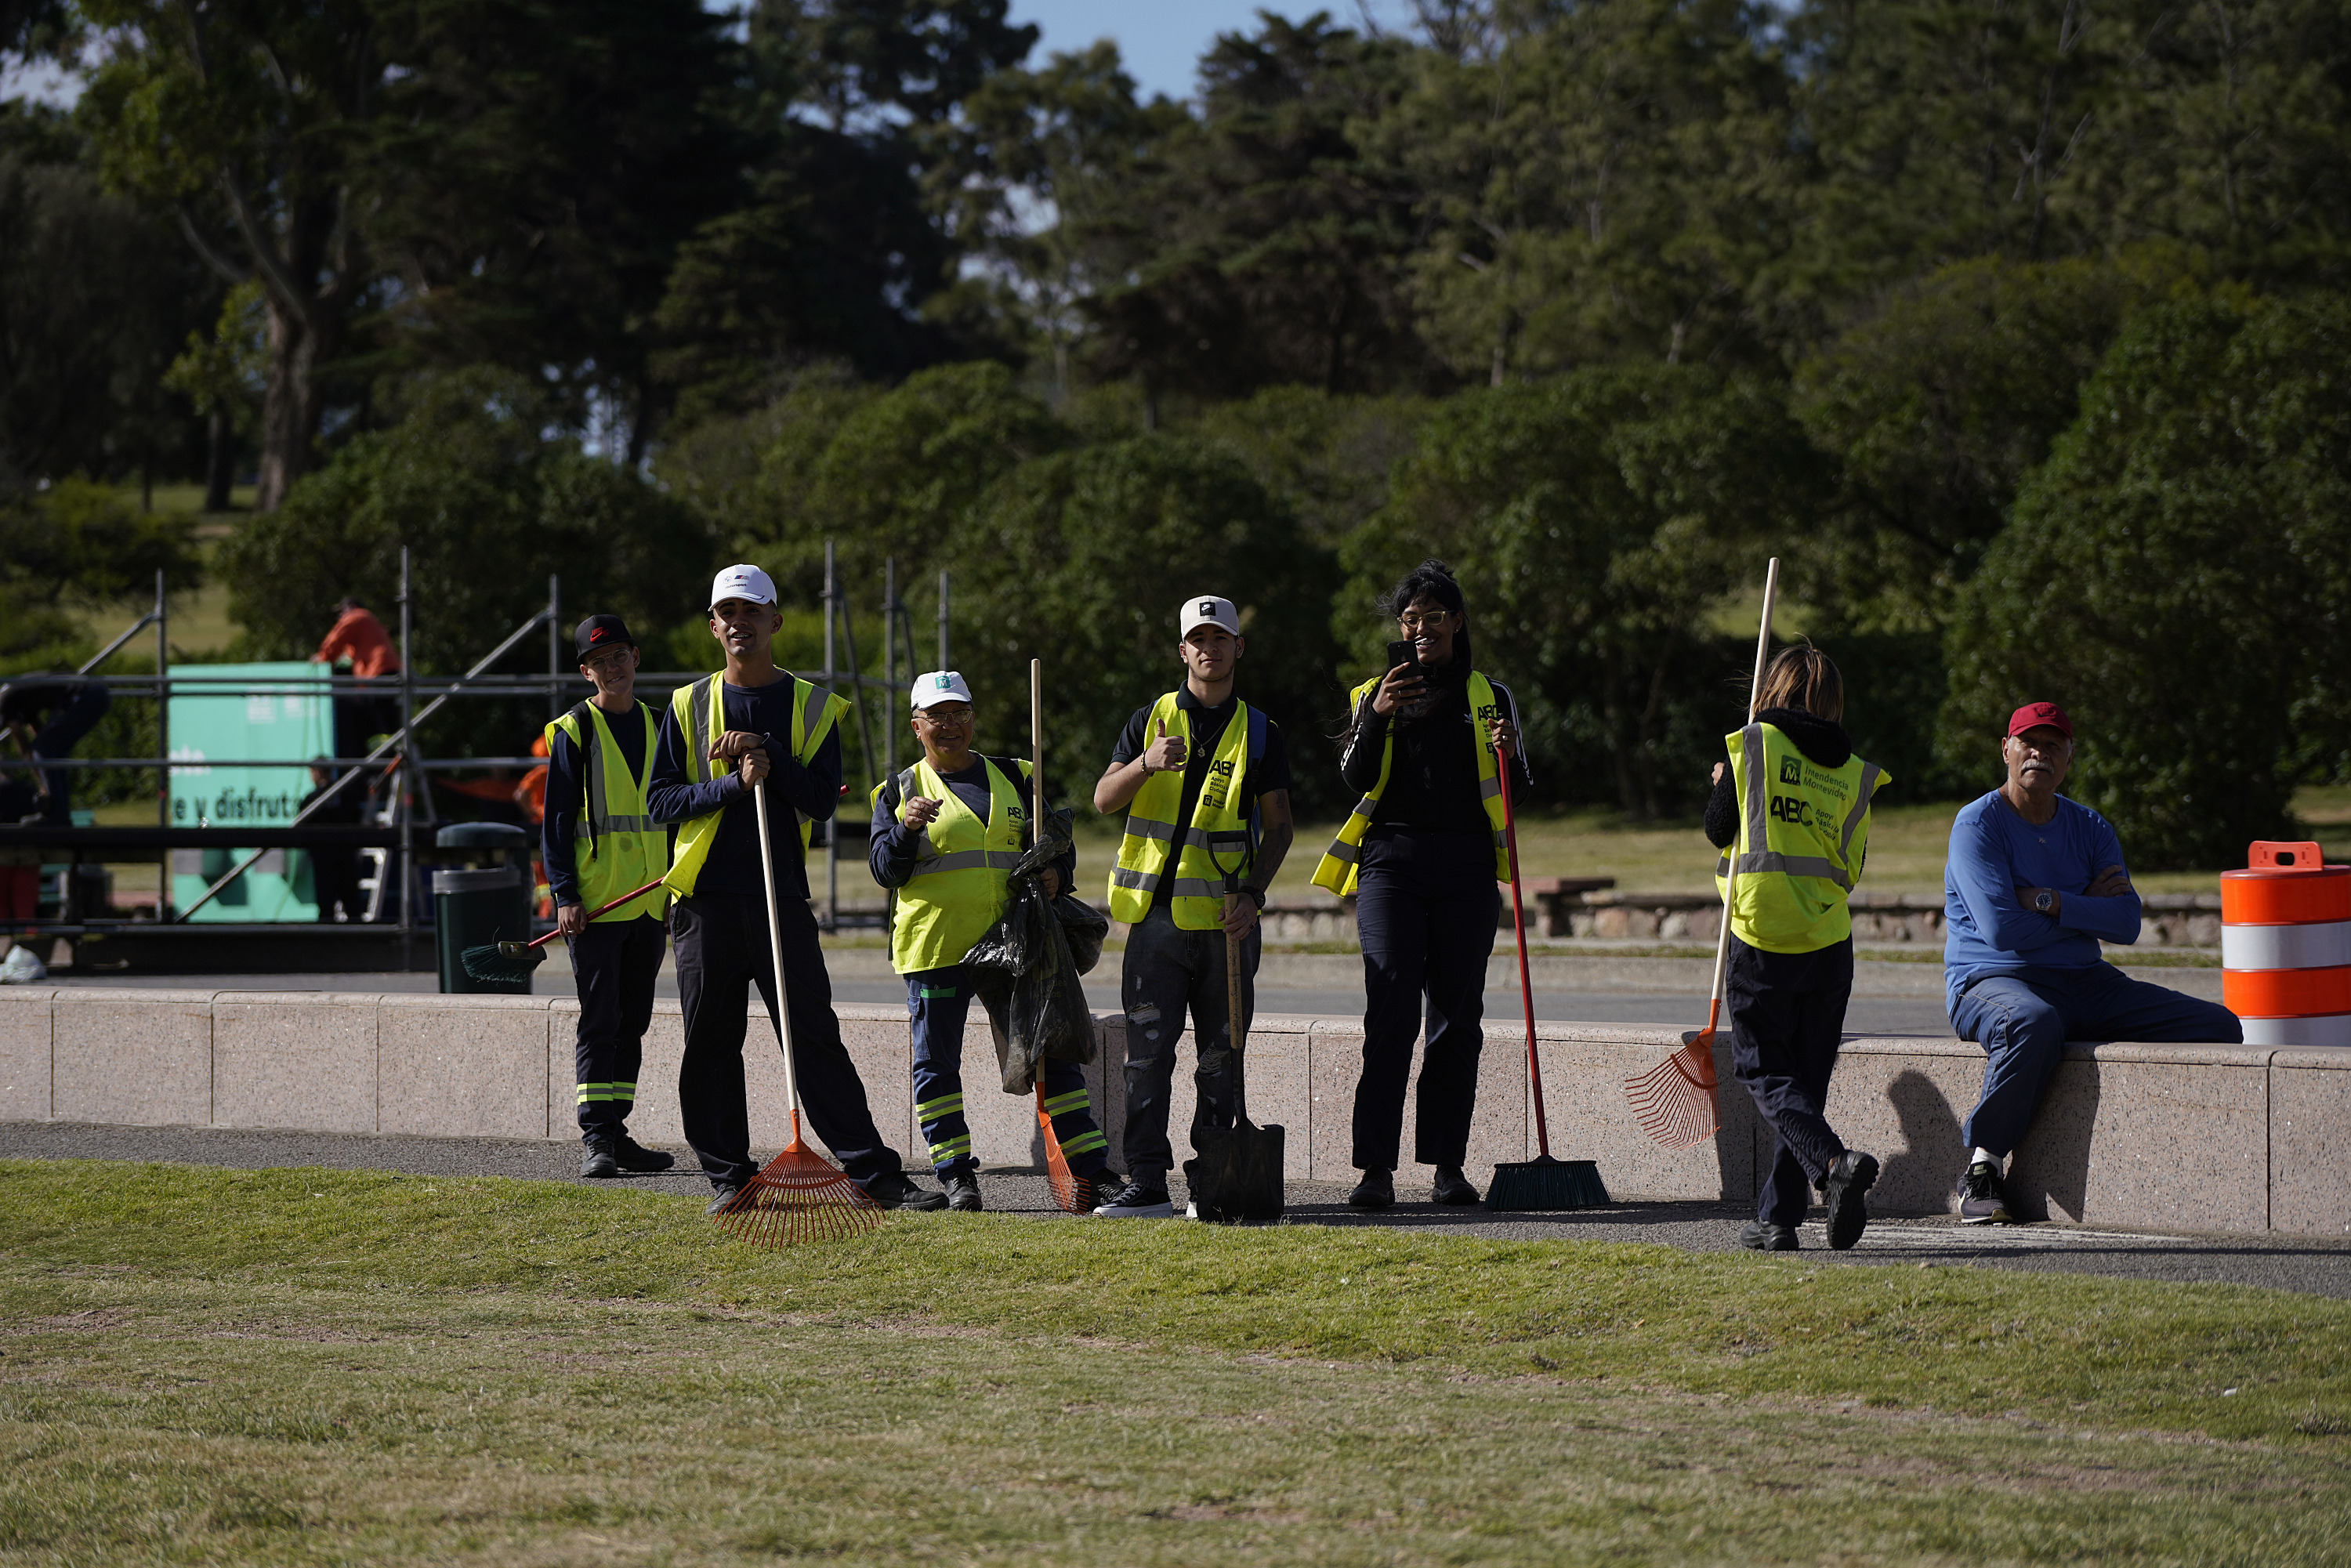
[210, 1365]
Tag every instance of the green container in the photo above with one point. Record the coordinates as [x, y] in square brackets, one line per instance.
[474, 909]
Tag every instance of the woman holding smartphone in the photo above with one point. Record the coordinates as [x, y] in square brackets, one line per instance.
[1422, 853]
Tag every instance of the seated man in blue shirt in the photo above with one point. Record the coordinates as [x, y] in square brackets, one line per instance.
[2033, 882]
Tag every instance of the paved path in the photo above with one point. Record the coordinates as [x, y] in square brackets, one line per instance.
[2312, 1266]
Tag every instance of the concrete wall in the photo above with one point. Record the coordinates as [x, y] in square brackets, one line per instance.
[2228, 1138]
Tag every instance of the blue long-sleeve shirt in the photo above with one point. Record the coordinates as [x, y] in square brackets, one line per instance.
[813, 790]
[1994, 851]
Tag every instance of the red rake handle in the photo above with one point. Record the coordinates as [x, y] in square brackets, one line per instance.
[601, 909]
[1519, 922]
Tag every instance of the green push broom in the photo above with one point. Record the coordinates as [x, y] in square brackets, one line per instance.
[1542, 1183]
[502, 963]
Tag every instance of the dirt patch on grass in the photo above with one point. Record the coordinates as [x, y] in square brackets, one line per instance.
[94, 1320]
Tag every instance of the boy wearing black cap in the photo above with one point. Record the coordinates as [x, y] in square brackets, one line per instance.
[599, 841]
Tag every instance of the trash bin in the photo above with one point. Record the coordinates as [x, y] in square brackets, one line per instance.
[480, 904]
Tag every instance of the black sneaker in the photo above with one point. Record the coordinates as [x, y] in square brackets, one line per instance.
[1376, 1190]
[1851, 1175]
[724, 1192]
[1136, 1201]
[891, 1190]
[1452, 1188]
[1982, 1201]
[963, 1193]
[600, 1159]
[1759, 1235]
[635, 1156]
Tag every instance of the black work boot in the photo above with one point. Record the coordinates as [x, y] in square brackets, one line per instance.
[894, 1189]
[722, 1194]
[1762, 1236]
[635, 1157]
[600, 1159]
[1851, 1175]
[1452, 1188]
[963, 1193]
[1376, 1190]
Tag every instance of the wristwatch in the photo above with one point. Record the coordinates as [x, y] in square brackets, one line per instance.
[2044, 901]
[1256, 894]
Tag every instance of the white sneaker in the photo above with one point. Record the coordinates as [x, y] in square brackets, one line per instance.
[20, 967]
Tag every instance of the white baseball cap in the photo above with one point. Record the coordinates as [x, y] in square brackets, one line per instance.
[940, 686]
[1207, 612]
[745, 582]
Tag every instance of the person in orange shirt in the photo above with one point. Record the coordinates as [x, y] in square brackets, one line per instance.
[359, 636]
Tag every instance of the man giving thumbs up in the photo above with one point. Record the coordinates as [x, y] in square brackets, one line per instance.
[1204, 783]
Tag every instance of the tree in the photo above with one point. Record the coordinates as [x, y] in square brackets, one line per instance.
[1254, 248]
[94, 297]
[1936, 406]
[849, 113]
[489, 503]
[1077, 557]
[242, 123]
[1594, 521]
[2176, 577]
[1601, 182]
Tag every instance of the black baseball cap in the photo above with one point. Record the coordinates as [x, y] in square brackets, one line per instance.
[599, 633]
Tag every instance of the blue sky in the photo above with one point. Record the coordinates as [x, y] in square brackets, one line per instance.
[1160, 42]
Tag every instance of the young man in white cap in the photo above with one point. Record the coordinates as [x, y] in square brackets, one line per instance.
[753, 725]
[945, 834]
[599, 841]
[1202, 769]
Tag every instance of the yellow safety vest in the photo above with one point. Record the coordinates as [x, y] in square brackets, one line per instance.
[962, 872]
[1337, 869]
[700, 709]
[622, 847]
[1198, 899]
[1804, 835]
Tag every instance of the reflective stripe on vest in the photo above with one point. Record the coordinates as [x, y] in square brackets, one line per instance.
[700, 711]
[624, 847]
[956, 890]
[1196, 895]
[1804, 837]
[1336, 871]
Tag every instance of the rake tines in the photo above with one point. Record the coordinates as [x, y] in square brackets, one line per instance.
[1674, 1102]
[799, 1195]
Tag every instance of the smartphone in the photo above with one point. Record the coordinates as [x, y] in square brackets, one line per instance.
[1401, 654]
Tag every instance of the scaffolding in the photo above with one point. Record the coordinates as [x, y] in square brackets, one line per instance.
[390, 767]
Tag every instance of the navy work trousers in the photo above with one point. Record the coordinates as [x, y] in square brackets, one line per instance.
[1167, 974]
[614, 964]
[938, 1002]
[1425, 904]
[722, 952]
[2024, 1020]
[1787, 1019]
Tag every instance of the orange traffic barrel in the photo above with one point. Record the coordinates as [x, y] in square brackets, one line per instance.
[2285, 946]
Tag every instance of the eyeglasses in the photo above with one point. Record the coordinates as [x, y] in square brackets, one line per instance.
[1434, 620]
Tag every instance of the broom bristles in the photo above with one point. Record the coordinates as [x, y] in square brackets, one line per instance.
[489, 965]
[1545, 1184]
[1059, 1180]
[799, 1197]
[1674, 1100]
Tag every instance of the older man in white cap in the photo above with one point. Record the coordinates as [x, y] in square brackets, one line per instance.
[752, 726]
[945, 834]
[1204, 780]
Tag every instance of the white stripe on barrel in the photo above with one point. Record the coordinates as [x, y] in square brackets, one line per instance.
[2333, 1029]
[2322, 946]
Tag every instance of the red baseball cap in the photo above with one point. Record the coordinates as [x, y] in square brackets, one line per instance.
[2034, 716]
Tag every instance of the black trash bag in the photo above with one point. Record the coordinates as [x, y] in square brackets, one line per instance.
[1028, 968]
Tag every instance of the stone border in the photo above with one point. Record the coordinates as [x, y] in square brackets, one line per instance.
[2264, 1123]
